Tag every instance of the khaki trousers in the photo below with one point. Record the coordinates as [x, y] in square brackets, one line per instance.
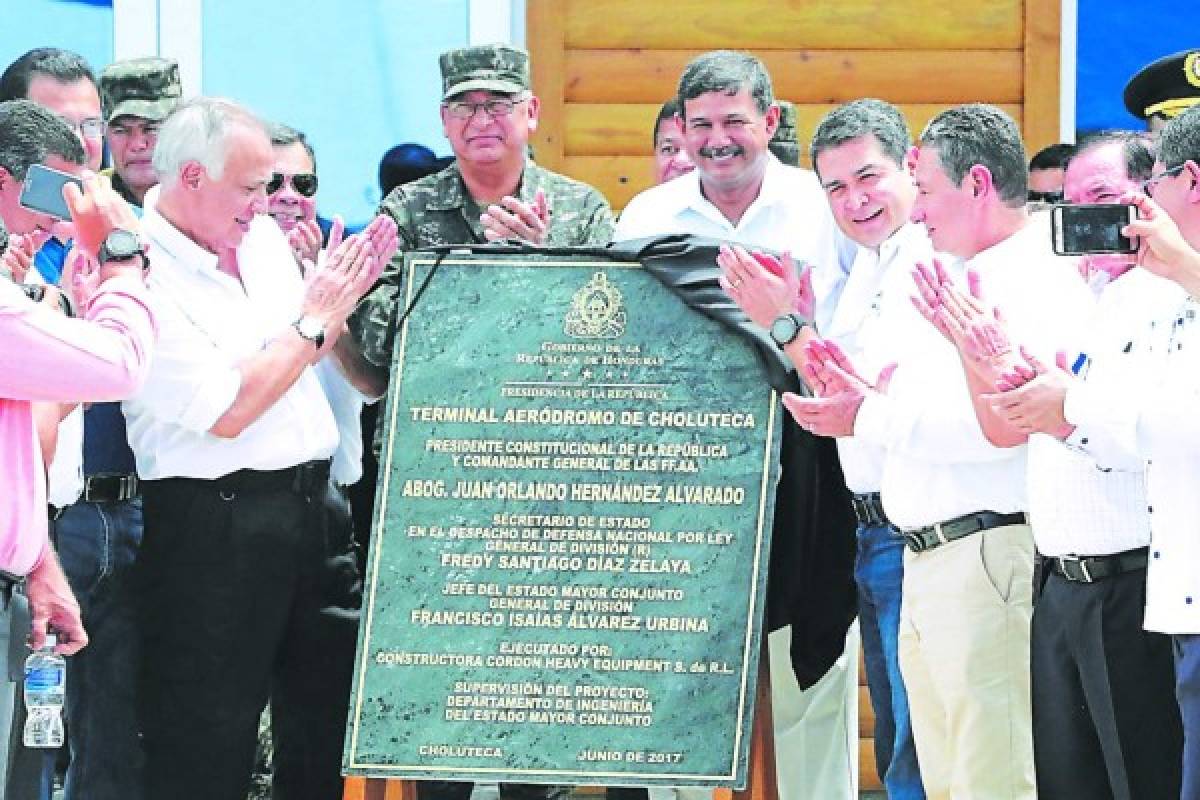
[964, 655]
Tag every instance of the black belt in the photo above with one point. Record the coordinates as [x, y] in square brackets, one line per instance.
[109, 488]
[301, 479]
[1089, 569]
[868, 508]
[9, 583]
[922, 539]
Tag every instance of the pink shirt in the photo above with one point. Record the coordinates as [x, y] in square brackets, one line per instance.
[45, 356]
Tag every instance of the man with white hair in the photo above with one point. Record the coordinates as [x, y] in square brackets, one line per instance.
[244, 595]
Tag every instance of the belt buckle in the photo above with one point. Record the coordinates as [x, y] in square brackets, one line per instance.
[939, 533]
[1083, 568]
[860, 509]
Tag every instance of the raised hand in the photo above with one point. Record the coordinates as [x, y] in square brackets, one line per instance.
[383, 238]
[305, 241]
[19, 255]
[928, 280]
[840, 391]
[976, 329]
[763, 285]
[96, 211]
[1162, 248]
[513, 219]
[1031, 397]
[333, 288]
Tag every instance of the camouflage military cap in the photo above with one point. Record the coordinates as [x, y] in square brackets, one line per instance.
[491, 67]
[140, 87]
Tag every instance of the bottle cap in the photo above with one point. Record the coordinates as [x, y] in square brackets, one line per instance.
[51, 641]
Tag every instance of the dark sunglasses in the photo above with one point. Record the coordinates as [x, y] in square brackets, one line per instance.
[305, 183]
[1045, 197]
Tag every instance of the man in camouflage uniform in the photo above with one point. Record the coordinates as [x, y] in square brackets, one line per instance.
[137, 95]
[492, 191]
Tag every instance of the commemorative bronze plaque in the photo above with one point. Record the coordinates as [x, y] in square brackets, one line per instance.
[569, 554]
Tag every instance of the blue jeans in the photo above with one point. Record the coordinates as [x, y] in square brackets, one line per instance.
[879, 573]
[1187, 692]
[97, 544]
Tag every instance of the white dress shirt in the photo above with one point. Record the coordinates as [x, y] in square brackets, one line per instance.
[346, 403]
[790, 213]
[1144, 410]
[877, 292]
[64, 475]
[1076, 506]
[209, 323]
[939, 465]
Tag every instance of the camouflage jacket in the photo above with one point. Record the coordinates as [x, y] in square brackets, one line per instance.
[437, 210]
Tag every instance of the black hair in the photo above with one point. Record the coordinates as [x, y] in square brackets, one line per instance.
[61, 65]
[30, 133]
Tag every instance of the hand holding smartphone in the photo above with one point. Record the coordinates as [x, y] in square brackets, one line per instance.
[43, 191]
[1092, 229]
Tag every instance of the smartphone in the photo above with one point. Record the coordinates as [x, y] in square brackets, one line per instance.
[1086, 229]
[43, 191]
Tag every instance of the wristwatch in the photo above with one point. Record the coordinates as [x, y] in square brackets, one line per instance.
[786, 328]
[312, 329]
[120, 245]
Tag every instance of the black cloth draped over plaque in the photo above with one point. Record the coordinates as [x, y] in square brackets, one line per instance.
[810, 582]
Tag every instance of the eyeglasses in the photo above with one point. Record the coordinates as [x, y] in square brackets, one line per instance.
[305, 183]
[495, 107]
[90, 128]
[1045, 197]
[1148, 186]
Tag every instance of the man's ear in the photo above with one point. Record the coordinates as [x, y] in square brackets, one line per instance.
[192, 174]
[910, 159]
[535, 107]
[979, 180]
[1192, 170]
[771, 120]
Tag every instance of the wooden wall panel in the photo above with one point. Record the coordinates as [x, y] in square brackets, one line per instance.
[605, 129]
[619, 177]
[808, 76]
[544, 24]
[1043, 24]
[795, 24]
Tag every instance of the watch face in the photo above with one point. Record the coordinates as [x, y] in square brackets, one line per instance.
[784, 330]
[121, 244]
[310, 328]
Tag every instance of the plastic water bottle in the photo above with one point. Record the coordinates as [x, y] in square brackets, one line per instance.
[45, 692]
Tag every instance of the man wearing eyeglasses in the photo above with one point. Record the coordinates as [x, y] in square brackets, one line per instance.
[1105, 721]
[492, 191]
[99, 533]
[63, 82]
[137, 95]
[1139, 411]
